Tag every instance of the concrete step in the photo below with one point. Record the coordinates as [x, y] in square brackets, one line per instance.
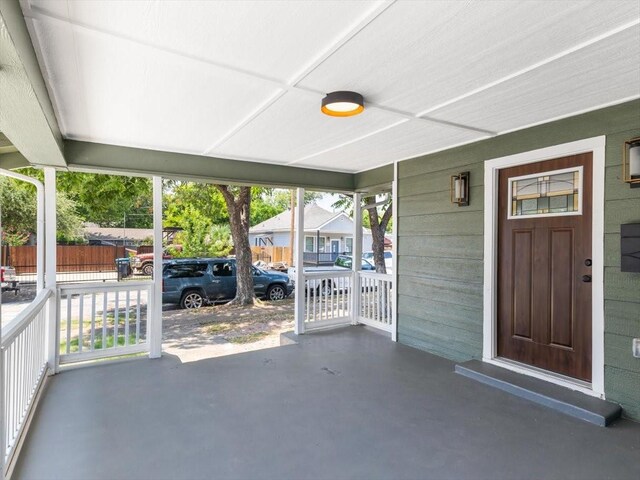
[576, 404]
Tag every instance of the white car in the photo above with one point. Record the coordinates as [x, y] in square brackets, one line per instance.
[388, 259]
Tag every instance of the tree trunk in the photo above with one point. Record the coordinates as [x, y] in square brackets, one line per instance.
[239, 206]
[378, 229]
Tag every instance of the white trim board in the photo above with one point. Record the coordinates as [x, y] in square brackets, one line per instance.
[595, 145]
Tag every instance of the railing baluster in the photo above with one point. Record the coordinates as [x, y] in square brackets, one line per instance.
[93, 322]
[105, 306]
[138, 318]
[126, 319]
[80, 321]
[116, 318]
[68, 323]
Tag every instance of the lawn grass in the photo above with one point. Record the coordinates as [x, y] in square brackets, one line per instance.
[97, 344]
[248, 338]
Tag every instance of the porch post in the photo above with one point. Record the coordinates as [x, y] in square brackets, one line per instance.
[394, 254]
[154, 305]
[299, 263]
[356, 256]
[50, 264]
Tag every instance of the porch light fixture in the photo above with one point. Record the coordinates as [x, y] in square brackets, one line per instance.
[342, 104]
[631, 162]
[460, 189]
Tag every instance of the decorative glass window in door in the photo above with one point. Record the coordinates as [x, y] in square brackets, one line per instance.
[554, 193]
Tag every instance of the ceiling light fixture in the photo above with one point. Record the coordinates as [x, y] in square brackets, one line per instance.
[342, 104]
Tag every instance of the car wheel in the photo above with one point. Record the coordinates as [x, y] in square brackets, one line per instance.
[148, 269]
[191, 299]
[276, 292]
[324, 288]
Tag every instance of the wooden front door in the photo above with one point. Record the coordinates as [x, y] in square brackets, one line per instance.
[544, 265]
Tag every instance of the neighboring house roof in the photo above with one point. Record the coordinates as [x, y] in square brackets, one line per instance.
[93, 232]
[315, 217]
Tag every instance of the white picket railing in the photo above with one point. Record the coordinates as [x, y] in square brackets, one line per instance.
[328, 298]
[376, 300]
[25, 365]
[102, 320]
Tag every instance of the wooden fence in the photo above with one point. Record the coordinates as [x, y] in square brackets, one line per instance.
[271, 254]
[70, 258]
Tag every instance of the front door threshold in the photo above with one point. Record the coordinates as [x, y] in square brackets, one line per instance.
[576, 404]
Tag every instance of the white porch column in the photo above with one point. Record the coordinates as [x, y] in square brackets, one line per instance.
[50, 263]
[154, 315]
[356, 256]
[299, 263]
[394, 253]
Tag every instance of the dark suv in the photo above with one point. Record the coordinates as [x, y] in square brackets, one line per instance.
[193, 282]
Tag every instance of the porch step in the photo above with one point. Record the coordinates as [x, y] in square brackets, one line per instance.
[576, 404]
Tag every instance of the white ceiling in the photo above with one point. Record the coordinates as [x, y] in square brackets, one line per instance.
[244, 79]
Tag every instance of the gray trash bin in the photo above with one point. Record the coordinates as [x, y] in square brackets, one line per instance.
[123, 266]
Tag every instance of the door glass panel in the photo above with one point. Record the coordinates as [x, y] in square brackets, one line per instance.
[546, 194]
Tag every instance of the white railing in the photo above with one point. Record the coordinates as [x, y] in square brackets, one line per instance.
[25, 365]
[328, 298]
[102, 320]
[376, 300]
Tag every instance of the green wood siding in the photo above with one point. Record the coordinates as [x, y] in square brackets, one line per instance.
[440, 246]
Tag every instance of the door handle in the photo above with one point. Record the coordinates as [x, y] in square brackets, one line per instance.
[586, 278]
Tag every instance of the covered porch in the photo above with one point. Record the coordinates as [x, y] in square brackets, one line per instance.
[342, 403]
[367, 389]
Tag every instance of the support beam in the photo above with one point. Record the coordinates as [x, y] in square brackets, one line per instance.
[299, 263]
[356, 263]
[50, 245]
[85, 156]
[154, 316]
[27, 117]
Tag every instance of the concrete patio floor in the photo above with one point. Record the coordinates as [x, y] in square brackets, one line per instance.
[345, 403]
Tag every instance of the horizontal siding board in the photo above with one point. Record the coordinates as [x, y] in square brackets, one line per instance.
[446, 347]
[621, 211]
[450, 337]
[442, 246]
[446, 291]
[621, 286]
[455, 269]
[439, 181]
[617, 353]
[612, 250]
[461, 223]
[440, 202]
[623, 318]
[431, 310]
[623, 387]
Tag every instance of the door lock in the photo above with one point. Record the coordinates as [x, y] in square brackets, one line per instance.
[586, 278]
[587, 262]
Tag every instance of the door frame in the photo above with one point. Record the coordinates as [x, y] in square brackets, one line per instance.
[595, 145]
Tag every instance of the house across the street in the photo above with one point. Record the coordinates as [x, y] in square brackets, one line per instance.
[326, 234]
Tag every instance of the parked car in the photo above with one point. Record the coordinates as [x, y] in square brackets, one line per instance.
[142, 264]
[9, 280]
[324, 286]
[388, 259]
[194, 282]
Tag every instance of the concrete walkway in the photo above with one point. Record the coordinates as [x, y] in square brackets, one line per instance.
[346, 403]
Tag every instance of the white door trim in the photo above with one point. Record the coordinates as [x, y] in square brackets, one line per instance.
[596, 145]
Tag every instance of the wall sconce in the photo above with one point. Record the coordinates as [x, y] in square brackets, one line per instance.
[460, 189]
[631, 162]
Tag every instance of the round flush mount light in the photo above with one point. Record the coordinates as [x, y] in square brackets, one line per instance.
[342, 104]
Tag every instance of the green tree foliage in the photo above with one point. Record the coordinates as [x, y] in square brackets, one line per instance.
[19, 210]
[106, 199]
[200, 238]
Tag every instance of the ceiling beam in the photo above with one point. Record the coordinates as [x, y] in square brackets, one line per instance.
[9, 161]
[102, 158]
[27, 117]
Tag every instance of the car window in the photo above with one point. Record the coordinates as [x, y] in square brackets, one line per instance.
[185, 270]
[222, 269]
[367, 265]
[387, 255]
